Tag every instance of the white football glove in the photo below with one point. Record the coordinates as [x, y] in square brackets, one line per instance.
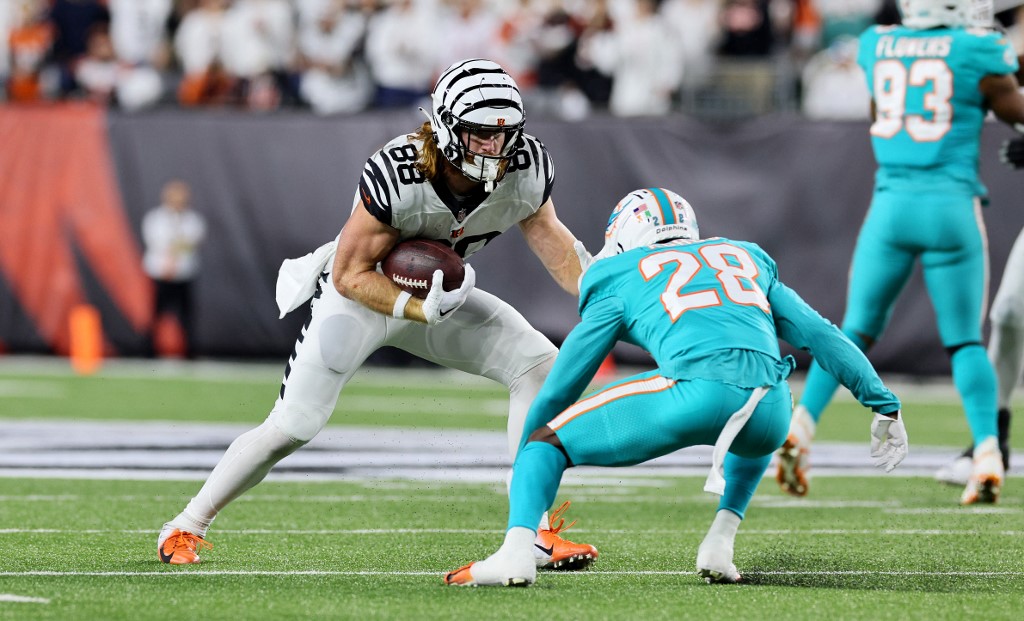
[888, 441]
[586, 259]
[439, 304]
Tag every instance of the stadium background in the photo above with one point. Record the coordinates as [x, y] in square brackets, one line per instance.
[78, 180]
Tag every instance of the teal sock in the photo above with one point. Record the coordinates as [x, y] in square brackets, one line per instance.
[820, 386]
[536, 475]
[975, 380]
[742, 476]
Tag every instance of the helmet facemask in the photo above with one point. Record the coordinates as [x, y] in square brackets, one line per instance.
[477, 117]
[923, 14]
[648, 216]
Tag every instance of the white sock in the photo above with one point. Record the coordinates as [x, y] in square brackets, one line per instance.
[725, 525]
[246, 462]
[522, 391]
[518, 538]
[802, 425]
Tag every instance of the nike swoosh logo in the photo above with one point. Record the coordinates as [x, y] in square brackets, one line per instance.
[443, 313]
[164, 557]
[548, 551]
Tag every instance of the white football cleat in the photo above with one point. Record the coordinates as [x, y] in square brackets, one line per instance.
[714, 562]
[503, 568]
[987, 476]
[956, 472]
[714, 557]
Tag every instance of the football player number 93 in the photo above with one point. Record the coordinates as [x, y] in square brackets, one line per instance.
[891, 81]
[733, 267]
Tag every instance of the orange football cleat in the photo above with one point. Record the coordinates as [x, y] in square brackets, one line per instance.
[551, 551]
[792, 467]
[460, 577]
[987, 475]
[181, 548]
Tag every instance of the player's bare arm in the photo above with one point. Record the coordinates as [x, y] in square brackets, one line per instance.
[1004, 98]
[363, 243]
[552, 242]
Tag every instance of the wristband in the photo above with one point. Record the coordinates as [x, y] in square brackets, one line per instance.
[403, 300]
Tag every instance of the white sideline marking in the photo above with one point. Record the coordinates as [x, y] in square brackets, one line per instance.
[7, 597]
[492, 531]
[316, 572]
[455, 405]
[31, 388]
[960, 510]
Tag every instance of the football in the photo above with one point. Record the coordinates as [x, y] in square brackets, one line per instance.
[411, 265]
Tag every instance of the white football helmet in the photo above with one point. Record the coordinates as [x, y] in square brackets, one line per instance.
[647, 216]
[476, 96]
[921, 14]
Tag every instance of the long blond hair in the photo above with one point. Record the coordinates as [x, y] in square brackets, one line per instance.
[429, 162]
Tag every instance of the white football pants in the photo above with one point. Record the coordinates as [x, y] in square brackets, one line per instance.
[1006, 343]
[485, 337]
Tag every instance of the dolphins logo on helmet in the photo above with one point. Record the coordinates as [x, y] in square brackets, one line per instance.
[648, 216]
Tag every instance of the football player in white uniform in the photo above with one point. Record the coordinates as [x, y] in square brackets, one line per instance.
[467, 175]
[1006, 342]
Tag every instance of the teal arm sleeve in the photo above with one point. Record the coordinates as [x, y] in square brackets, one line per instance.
[801, 326]
[582, 352]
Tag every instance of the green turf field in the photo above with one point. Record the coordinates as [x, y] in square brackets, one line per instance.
[891, 547]
[860, 549]
[388, 397]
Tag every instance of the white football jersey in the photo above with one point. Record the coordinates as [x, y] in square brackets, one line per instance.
[399, 195]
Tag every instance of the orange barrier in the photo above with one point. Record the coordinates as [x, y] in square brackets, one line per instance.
[607, 371]
[58, 199]
[86, 333]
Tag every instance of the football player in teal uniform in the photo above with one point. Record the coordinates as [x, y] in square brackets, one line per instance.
[710, 312]
[932, 81]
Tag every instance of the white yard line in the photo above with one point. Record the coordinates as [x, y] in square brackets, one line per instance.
[570, 575]
[454, 405]
[839, 532]
[8, 597]
[36, 389]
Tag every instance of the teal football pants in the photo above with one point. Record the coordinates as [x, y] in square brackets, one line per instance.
[946, 234]
[647, 416]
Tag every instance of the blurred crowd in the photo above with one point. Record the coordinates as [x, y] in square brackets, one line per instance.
[570, 57]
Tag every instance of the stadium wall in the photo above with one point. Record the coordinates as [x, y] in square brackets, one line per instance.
[75, 182]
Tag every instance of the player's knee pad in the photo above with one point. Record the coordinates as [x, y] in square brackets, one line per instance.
[531, 381]
[277, 441]
[299, 421]
[1008, 310]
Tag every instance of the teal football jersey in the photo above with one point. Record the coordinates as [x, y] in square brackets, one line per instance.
[712, 309]
[684, 301]
[928, 109]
